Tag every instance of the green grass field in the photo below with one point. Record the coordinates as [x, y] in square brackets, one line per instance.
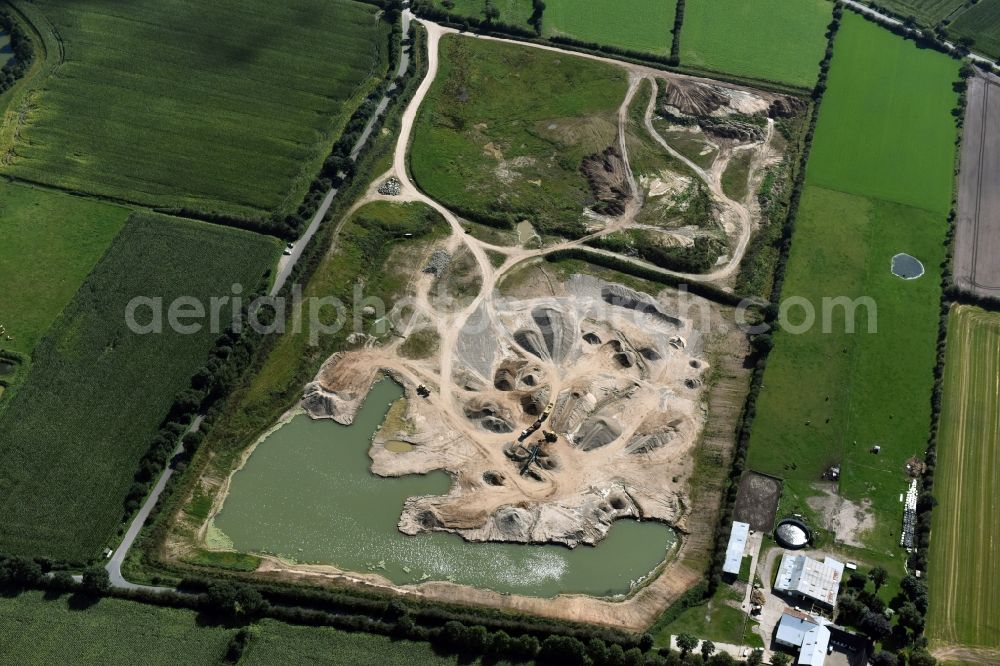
[982, 23]
[775, 40]
[828, 397]
[504, 128]
[885, 128]
[36, 630]
[964, 553]
[929, 12]
[50, 242]
[217, 106]
[73, 434]
[637, 25]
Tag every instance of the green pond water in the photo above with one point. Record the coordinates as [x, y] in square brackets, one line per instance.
[306, 493]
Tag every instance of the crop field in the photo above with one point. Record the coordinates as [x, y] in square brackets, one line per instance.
[863, 388]
[50, 242]
[775, 40]
[883, 93]
[637, 25]
[215, 106]
[73, 434]
[503, 130]
[929, 12]
[982, 23]
[37, 630]
[964, 551]
[289, 644]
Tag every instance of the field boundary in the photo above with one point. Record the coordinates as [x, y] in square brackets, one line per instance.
[501, 31]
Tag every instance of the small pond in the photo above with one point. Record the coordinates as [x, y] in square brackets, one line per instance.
[907, 267]
[306, 493]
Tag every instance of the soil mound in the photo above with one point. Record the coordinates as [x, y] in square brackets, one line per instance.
[694, 99]
[606, 175]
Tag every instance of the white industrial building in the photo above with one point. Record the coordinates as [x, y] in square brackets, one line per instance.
[809, 579]
[737, 545]
[807, 634]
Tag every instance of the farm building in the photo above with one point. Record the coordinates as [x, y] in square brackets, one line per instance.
[806, 633]
[810, 579]
[737, 545]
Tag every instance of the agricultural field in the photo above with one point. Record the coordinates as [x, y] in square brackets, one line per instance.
[73, 434]
[963, 552]
[882, 93]
[37, 630]
[636, 25]
[773, 40]
[645, 26]
[503, 130]
[211, 106]
[864, 388]
[929, 12]
[50, 242]
[278, 643]
[981, 23]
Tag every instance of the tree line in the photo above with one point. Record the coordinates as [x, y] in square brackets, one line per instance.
[23, 54]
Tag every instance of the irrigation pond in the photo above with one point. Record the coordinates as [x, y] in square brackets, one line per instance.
[306, 494]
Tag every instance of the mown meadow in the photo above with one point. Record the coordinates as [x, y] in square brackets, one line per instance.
[220, 107]
[775, 40]
[964, 552]
[504, 128]
[50, 242]
[72, 435]
[878, 183]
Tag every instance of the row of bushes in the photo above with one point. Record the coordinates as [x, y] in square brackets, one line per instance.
[20, 46]
[675, 45]
[228, 604]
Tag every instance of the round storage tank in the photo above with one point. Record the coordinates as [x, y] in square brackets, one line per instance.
[792, 534]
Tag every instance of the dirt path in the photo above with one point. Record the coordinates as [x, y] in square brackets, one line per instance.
[967, 655]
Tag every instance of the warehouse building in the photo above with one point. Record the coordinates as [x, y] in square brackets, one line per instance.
[811, 580]
[809, 635]
[737, 545]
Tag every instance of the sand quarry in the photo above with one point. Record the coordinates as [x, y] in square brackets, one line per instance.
[561, 414]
